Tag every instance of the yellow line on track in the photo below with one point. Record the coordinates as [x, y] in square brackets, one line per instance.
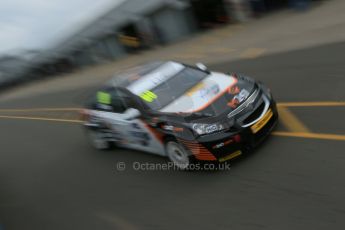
[285, 104]
[40, 109]
[41, 119]
[290, 121]
[312, 104]
[323, 136]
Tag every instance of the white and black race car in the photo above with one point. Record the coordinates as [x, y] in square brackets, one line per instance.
[183, 112]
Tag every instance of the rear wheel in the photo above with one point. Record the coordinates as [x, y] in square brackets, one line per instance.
[98, 140]
[178, 154]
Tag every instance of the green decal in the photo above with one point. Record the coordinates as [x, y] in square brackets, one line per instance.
[103, 98]
[148, 96]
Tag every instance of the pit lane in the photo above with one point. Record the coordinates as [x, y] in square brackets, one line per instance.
[51, 179]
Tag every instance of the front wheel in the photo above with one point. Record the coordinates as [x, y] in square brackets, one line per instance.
[178, 154]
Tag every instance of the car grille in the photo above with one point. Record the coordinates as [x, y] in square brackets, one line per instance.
[255, 114]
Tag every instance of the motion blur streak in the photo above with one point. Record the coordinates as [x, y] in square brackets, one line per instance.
[284, 134]
[40, 119]
[40, 109]
[312, 104]
[51, 178]
[322, 136]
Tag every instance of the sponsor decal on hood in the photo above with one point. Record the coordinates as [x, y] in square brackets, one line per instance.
[203, 94]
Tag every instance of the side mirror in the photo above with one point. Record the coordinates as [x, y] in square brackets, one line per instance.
[201, 66]
[131, 114]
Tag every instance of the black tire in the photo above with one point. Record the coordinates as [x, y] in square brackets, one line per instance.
[97, 140]
[178, 154]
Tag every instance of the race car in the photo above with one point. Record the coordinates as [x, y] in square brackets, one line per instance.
[186, 113]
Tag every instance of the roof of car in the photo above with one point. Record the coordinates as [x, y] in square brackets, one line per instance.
[145, 77]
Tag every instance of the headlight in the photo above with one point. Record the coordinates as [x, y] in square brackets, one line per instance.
[202, 129]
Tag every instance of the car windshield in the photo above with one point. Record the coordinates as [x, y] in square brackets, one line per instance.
[172, 88]
[127, 77]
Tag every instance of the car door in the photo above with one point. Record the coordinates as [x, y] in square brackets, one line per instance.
[129, 131]
[117, 118]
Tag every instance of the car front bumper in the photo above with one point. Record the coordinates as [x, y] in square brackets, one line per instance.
[228, 145]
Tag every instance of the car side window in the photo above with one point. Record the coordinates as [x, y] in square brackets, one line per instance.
[108, 99]
[114, 100]
[121, 101]
[118, 101]
[118, 105]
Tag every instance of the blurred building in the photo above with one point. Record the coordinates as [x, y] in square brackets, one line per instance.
[12, 67]
[130, 27]
[135, 25]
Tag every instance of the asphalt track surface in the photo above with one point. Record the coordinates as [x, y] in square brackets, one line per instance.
[51, 179]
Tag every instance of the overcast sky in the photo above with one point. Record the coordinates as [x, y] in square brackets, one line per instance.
[37, 24]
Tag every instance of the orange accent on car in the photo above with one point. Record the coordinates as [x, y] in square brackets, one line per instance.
[178, 129]
[233, 103]
[199, 151]
[159, 136]
[228, 142]
[84, 114]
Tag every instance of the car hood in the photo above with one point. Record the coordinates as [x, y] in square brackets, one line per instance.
[216, 94]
